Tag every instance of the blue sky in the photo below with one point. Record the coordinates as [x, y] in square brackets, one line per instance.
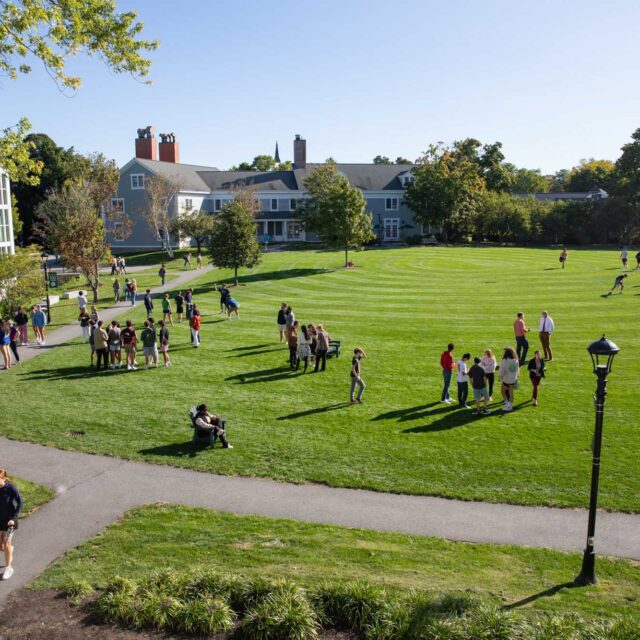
[554, 81]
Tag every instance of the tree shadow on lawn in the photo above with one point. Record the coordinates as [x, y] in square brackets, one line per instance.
[265, 375]
[309, 412]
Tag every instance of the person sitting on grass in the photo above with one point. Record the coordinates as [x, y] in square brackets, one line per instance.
[618, 283]
[207, 423]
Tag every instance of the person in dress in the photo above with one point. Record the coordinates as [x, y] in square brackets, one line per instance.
[508, 373]
[356, 376]
[536, 373]
[304, 348]
[488, 363]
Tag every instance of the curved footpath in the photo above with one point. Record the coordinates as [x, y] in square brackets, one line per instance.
[94, 491]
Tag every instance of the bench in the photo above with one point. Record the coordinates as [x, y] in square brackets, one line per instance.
[204, 437]
[334, 349]
[69, 295]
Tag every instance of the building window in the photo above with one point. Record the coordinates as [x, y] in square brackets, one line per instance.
[407, 179]
[391, 229]
[217, 205]
[274, 229]
[294, 230]
[118, 232]
[188, 204]
[293, 203]
[274, 204]
[391, 204]
[117, 206]
[137, 181]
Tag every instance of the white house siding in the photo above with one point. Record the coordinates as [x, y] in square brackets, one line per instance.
[7, 244]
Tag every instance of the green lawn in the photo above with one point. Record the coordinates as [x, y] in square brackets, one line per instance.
[33, 495]
[189, 539]
[153, 258]
[402, 306]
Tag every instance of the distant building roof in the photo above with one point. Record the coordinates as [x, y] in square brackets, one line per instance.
[593, 194]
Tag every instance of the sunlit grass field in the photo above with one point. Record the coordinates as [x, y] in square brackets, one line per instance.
[402, 306]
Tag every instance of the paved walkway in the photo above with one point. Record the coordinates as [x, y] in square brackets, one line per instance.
[93, 491]
[72, 331]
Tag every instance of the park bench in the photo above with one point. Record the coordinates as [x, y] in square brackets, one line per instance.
[334, 349]
[204, 437]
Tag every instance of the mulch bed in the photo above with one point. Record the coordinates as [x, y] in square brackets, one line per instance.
[46, 615]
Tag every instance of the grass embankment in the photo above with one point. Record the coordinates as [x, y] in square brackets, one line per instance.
[190, 539]
[402, 306]
[33, 495]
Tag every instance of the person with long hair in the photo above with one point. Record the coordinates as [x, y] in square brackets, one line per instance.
[5, 344]
[163, 338]
[14, 338]
[304, 348]
[322, 348]
[292, 341]
[508, 373]
[10, 507]
[39, 322]
[22, 322]
[488, 363]
[166, 309]
[536, 373]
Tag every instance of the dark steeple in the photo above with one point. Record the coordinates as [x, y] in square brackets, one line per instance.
[276, 157]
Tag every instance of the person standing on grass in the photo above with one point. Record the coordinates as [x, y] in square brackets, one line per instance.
[479, 385]
[233, 306]
[463, 380]
[5, 344]
[22, 322]
[619, 282]
[322, 347]
[10, 507]
[448, 365]
[624, 254]
[356, 376]
[116, 290]
[133, 291]
[82, 300]
[187, 259]
[489, 364]
[304, 348]
[282, 323]
[289, 318]
[224, 294]
[638, 260]
[130, 342]
[564, 254]
[94, 315]
[292, 341]
[179, 305]
[148, 302]
[127, 289]
[313, 336]
[115, 345]
[536, 373]
[149, 339]
[199, 259]
[39, 321]
[163, 274]
[14, 338]
[547, 327]
[101, 344]
[84, 319]
[92, 329]
[520, 330]
[166, 308]
[508, 373]
[194, 323]
[163, 338]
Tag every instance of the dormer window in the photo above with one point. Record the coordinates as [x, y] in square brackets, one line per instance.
[405, 178]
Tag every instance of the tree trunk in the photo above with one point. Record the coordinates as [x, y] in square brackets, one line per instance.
[346, 256]
[94, 288]
[235, 277]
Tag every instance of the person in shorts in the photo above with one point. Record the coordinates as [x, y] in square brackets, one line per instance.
[508, 373]
[233, 306]
[564, 254]
[282, 322]
[10, 507]
[115, 345]
[149, 338]
[619, 282]
[163, 338]
[179, 305]
[166, 308]
[130, 342]
[479, 385]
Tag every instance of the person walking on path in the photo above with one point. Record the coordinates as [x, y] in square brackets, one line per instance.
[463, 380]
[101, 344]
[127, 289]
[624, 254]
[148, 302]
[292, 341]
[84, 319]
[304, 348]
[130, 342]
[282, 322]
[479, 385]
[116, 291]
[82, 300]
[149, 339]
[199, 259]
[522, 344]
[179, 305]
[22, 322]
[194, 323]
[536, 373]
[619, 282]
[5, 344]
[356, 376]
[448, 365]
[39, 321]
[115, 345]
[166, 308]
[508, 373]
[14, 338]
[133, 291]
[547, 327]
[123, 266]
[163, 274]
[564, 254]
[163, 338]
[187, 259]
[489, 364]
[114, 265]
[10, 507]
[322, 347]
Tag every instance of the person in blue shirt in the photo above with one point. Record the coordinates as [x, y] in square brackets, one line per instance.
[232, 306]
[10, 507]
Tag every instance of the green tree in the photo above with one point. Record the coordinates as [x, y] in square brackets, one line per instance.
[381, 160]
[447, 187]
[262, 162]
[160, 193]
[233, 243]
[626, 179]
[590, 174]
[527, 180]
[15, 152]
[21, 280]
[285, 165]
[196, 226]
[401, 160]
[335, 211]
[558, 181]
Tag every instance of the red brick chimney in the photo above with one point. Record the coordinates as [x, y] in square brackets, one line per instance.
[146, 147]
[299, 152]
[169, 148]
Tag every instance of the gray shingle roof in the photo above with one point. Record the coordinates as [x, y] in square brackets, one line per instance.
[186, 175]
[252, 180]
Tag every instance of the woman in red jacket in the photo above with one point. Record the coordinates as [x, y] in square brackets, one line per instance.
[448, 365]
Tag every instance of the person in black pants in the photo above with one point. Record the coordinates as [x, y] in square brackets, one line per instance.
[323, 339]
[292, 341]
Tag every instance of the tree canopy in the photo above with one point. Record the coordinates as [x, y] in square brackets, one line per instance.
[590, 174]
[193, 225]
[21, 279]
[263, 162]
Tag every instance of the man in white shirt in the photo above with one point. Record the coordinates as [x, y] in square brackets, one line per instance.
[463, 380]
[546, 329]
[82, 300]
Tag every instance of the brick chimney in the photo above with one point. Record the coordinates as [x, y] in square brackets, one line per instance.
[299, 152]
[169, 148]
[146, 147]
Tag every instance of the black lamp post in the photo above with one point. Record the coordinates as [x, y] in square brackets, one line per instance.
[602, 353]
[45, 257]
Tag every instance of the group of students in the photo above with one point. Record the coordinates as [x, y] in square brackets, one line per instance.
[118, 266]
[14, 333]
[228, 304]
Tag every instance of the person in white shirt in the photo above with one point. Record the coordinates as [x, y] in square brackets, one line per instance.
[82, 301]
[508, 373]
[489, 364]
[623, 257]
[547, 327]
[463, 380]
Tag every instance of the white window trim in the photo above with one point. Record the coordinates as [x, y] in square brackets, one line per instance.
[138, 177]
[391, 208]
[217, 209]
[387, 223]
[272, 200]
[301, 230]
[293, 200]
[113, 200]
[114, 232]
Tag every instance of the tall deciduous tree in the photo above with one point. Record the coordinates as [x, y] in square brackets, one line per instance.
[16, 152]
[590, 174]
[447, 187]
[233, 243]
[196, 226]
[335, 211]
[21, 280]
[527, 180]
[160, 193]
[626, 180]
[382, 160]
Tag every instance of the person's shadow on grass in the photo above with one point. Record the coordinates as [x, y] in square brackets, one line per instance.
[70, 373]
[309, 412]
[410, 413]
[265, 375]
[175, 450]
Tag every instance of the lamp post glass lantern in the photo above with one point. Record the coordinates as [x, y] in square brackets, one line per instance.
[45, 258]
[602, 353]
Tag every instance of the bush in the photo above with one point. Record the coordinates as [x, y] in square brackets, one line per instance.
[167, 582]
[160, 612]
[217, 585]
[492, 623]
[414, 239]
[251, 593]
[77, 590]
[205, 616]
[119, 608]
[280, 616]
[121, 585]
